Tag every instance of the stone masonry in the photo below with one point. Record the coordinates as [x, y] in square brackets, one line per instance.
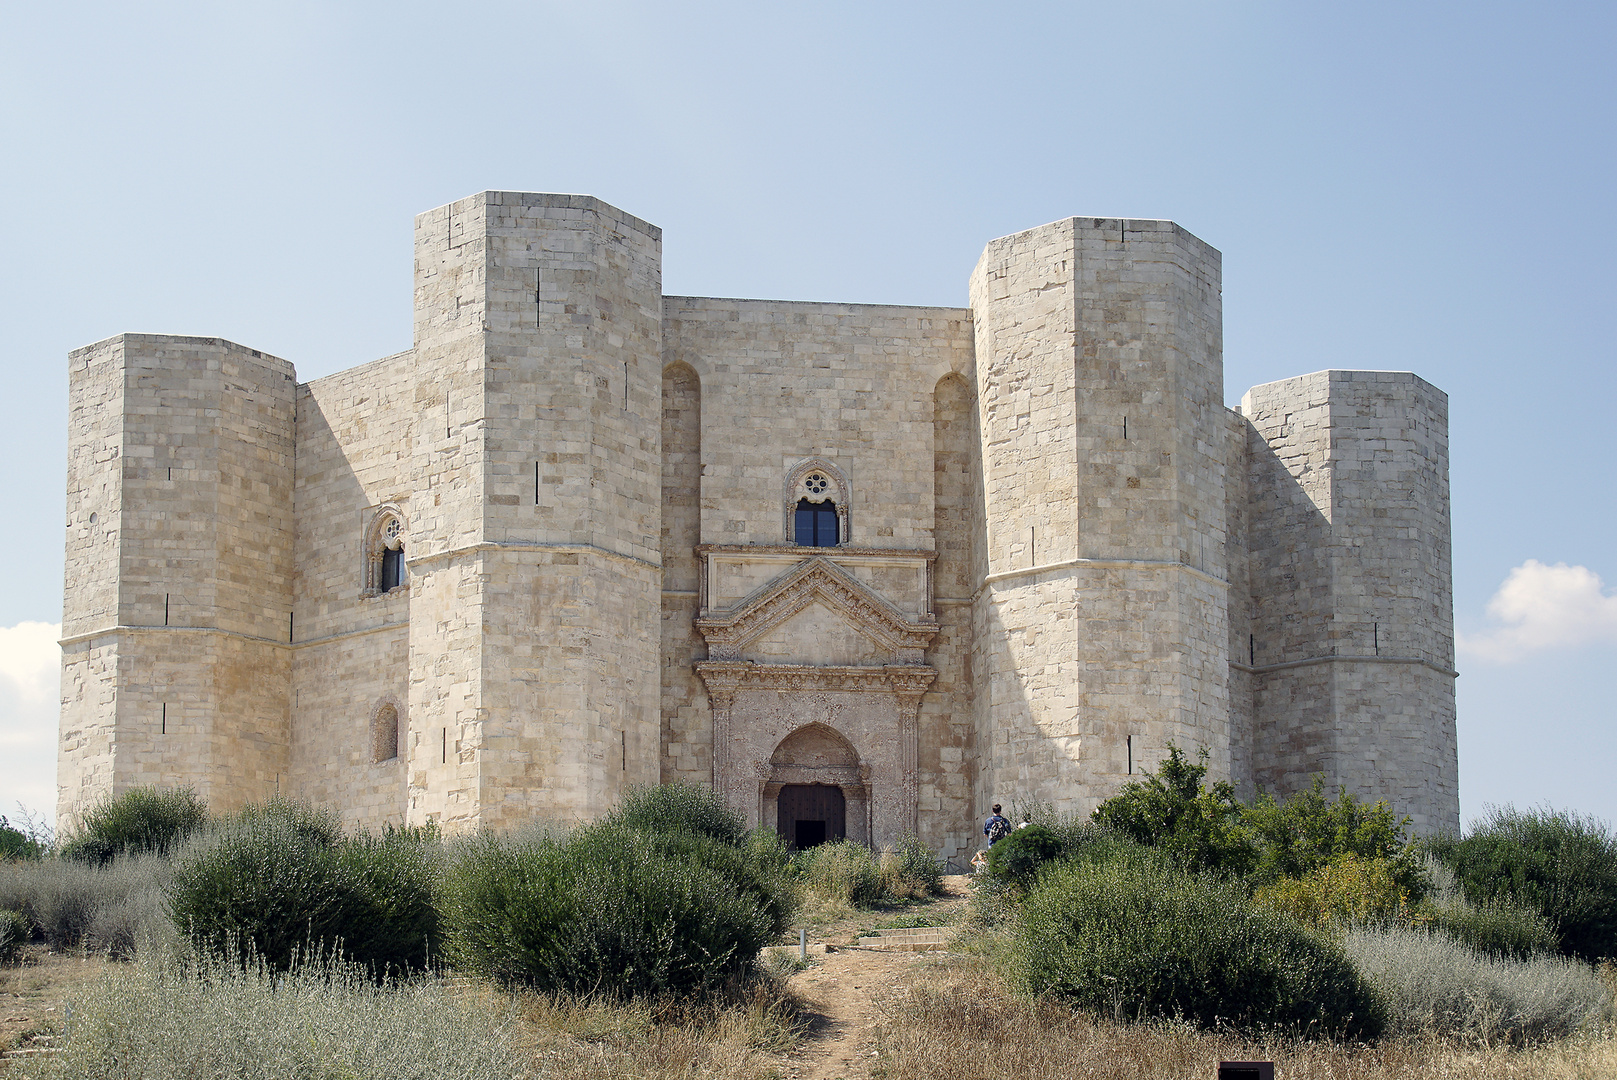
[554, 549]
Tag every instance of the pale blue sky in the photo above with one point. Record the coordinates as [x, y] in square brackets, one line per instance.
[1420, 187]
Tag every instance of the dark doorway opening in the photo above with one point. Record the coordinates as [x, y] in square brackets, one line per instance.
[810, 834]
[811, 814]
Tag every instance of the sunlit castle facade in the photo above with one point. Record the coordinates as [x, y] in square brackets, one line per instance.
[865, 569]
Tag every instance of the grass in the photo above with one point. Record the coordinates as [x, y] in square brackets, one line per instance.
[150, 1020]
[958, 1021]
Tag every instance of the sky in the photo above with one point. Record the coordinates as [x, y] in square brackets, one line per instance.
[1422, 187]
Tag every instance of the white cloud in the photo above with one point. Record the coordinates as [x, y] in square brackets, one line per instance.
[30, 678]
[1543, 607]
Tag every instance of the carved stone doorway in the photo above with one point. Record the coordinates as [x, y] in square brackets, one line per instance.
[811, 814]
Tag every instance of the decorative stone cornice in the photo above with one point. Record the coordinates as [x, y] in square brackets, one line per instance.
[816, 579]
[726, 677]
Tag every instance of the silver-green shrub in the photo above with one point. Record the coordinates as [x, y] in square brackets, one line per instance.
[14, 934]
[1433, 984]
[208, 1018]
[112, 907]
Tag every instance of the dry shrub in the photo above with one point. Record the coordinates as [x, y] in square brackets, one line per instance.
[1346, 891]
[112, 907]
[720, 1039]
[957, 1021]
[841, 873]
[911, 871]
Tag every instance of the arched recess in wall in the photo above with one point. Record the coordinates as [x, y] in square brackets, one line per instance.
[682, 476]
[954, 444]
[385, 730]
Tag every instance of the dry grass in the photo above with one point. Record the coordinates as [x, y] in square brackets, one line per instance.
[596, 1040]
[132, 1021]
[958, 1022]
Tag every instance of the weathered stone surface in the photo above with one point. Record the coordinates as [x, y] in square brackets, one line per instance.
[1057, 551]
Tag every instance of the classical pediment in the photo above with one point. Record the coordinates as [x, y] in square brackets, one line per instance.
[816, 613]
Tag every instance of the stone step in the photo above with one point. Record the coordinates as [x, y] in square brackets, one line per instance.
[909, 939]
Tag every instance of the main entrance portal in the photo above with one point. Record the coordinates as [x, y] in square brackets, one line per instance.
[810, 814]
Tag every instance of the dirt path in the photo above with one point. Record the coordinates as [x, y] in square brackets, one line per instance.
[842, 990]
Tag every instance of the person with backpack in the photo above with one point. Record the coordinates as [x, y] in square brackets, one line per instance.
[997, 827]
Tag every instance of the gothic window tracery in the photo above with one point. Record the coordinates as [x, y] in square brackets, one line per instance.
[816, 504]
[385, 568]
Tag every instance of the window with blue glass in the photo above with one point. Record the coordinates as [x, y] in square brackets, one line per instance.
[816, 523]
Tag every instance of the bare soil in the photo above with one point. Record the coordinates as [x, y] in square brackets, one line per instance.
[34, 994]
[842, 990]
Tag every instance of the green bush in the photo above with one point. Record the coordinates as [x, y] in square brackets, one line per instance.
[1432, 984]
[142, 820]
[1296, 837]
[911, 871]
[1199, 827]
[279, 882]
[680, 807]
[613, 910]
[1560, 864]
[1496, 928]
[15, 932]
[17, 844]
[841, 871]
[1018, 857]
[1131, 938]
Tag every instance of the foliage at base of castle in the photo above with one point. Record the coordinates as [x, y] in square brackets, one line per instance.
[619, 909]
[1558, 863]
[141, 820]
[279, 881]
[1200, 827]
[1132, 939]
[1308, 831]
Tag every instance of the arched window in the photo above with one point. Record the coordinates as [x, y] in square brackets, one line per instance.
[384, 553]
[817, 523]
[816, 504]
[385, 734]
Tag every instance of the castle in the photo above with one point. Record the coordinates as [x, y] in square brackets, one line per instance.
[864, 568]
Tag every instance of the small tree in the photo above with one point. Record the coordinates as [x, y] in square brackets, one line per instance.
[18, 843]
[1200, 827]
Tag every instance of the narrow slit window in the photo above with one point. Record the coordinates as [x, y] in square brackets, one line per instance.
[816, 524]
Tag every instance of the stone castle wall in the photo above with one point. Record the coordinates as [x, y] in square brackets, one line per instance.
[1060, 551]
[175, 649]
[1102, 625]
[1353, 598]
